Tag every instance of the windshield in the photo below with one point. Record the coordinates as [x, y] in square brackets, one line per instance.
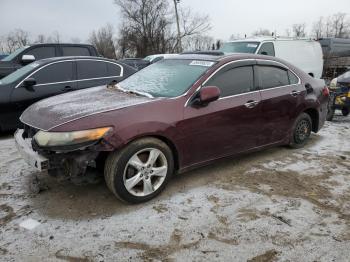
[167, 78]
[148, 58]
[18, 74]
[240, 47]
[14, 54]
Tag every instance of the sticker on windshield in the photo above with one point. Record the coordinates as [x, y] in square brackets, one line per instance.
[252, 45]
[202, 63]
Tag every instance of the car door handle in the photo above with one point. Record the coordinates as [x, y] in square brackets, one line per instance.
[251, 104]
[295, 93]
[67, 89]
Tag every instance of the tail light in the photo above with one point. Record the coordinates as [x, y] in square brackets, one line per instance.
[325, 91]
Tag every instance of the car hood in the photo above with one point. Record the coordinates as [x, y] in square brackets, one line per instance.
[57, 110]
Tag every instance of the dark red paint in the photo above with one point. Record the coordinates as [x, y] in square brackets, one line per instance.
[225, 127]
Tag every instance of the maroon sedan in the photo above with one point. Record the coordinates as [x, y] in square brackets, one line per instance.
[172, 116]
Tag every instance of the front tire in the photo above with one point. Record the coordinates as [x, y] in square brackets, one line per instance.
[345, 111]
[301, 131]
[140, 171]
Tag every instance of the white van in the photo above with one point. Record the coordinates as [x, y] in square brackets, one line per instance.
[303, 53]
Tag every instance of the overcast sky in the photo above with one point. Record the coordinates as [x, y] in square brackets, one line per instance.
[77, 18]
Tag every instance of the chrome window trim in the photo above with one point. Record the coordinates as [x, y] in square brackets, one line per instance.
[236, 61]
[80, 80]
[77, 80]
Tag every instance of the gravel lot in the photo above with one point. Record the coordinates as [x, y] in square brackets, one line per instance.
[275, 205]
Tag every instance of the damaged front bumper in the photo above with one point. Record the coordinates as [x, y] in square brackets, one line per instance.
[68, 163]
[24, 147]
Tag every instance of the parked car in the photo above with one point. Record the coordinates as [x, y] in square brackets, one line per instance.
[137, 63]
[155, 58]
[52, 76]
[30, 53]
[2, 56]
[339, 96]
[336, 54]
[303, 53]
[172, 116]
[204, 52]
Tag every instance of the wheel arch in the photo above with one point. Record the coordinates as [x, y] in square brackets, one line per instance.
[174, 149]
[313, 113]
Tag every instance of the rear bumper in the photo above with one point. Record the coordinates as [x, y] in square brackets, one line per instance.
[24, 147]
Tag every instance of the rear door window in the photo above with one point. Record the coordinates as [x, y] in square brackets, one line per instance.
[91, 69]
[271, 76]
[42, 52]
[114, 69]
[233, 81]
[293, 79]
[267, 49]
[75, 51]
[59, 72]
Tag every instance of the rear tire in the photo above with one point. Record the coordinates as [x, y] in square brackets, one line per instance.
[140, 171]
[301, 131]
[345, 111]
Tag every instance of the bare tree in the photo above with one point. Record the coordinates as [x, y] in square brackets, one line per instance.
[40, 39]
[56, 38]
[340, 25]
[318, 28]
[14, 40]
[198, 42]
[299, 30]
[148, 27]
[288, 32]
[262, 32]
[103, 40]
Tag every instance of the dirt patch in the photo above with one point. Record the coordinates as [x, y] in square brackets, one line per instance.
[68, 258]
[6, 214]
[229, 241]
[289, 184]
[268, 256]
[161, 208]
[161, 252]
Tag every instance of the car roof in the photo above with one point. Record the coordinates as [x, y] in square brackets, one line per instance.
[64, 58]
[269, 38]
[53, 44]
[229, 57]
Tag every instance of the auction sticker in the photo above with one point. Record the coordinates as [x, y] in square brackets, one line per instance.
[202, 63]
[252, 45]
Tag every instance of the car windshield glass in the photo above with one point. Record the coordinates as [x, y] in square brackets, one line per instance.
[14, 54]
[167, 78]
[240, 47]
[18, 74]
[148, 58]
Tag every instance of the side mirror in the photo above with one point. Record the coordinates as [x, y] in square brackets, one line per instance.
[27, 59]
[29, 82]
[206, 95]
[263, 53]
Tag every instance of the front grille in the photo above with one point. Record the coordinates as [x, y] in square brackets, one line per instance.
[29, 132]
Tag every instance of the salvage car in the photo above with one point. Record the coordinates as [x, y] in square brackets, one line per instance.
[52, 76]
[28, 54]
[172, 116]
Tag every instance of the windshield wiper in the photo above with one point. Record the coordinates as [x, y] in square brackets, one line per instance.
[133, 91]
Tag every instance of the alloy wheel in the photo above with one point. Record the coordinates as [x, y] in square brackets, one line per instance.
[145, 172]
[302, 131]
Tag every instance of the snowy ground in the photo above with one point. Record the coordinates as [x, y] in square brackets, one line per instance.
[275, 205]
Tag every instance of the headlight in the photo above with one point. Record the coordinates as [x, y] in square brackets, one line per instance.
[69, 138]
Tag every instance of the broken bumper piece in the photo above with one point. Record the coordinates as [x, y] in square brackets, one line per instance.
[24, 147]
